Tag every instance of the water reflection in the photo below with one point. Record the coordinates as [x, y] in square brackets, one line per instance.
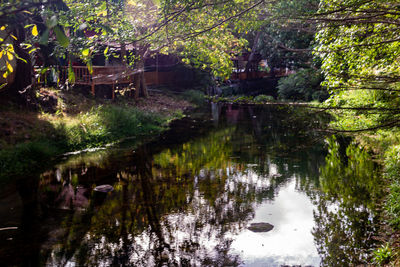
[187, 198]
[346, 217]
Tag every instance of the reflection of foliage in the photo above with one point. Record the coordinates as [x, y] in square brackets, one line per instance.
[182, 205]
[210, 152]
[345, 218]
[147, 214]
[355, 181]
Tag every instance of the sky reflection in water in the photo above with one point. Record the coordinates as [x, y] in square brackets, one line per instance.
[187, 198]
[290, 242]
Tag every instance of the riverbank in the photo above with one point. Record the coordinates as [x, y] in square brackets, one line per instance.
[385, 144]
[71, 122]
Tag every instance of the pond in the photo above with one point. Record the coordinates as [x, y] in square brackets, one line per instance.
[192, 197]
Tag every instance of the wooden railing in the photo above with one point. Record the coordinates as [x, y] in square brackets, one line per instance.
[100, 75]
[115, 74]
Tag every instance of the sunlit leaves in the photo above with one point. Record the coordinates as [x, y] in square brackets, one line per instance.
[361, 59]
[35, 30]
[85, 52]
[71, 74]
[7, 55]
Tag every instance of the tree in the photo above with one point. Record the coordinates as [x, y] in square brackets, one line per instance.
[358, 42]
[285, 33]
[20, 24]
[201, 32]
[198, 31]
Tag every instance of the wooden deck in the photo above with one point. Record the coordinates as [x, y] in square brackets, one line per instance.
[114, 75]
[110, 75]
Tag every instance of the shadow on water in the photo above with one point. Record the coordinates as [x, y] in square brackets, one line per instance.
[187, 198]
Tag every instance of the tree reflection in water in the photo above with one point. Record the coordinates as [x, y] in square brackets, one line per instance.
[346, 217]
[180, 200]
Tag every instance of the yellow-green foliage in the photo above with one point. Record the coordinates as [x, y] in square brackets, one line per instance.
[106, 124]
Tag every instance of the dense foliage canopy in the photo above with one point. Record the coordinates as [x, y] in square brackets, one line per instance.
[200, 32]
[359, 44]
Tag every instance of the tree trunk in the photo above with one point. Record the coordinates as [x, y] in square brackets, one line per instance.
[140, 81]
[20, 90]
[253, 52]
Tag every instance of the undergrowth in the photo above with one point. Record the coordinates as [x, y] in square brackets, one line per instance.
[194, 96]
[97, 127]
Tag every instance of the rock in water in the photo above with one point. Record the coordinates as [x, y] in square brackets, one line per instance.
[105, 188]
[260, 227]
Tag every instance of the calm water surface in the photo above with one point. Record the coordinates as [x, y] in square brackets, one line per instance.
[188, 198]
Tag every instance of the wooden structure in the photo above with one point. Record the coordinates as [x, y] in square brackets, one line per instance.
[115, 75]
[110, 75]
[245, 69]
[249, 70]
[251, 75]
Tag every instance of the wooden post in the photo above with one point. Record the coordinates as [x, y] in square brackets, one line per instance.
[113, 90]
[157, 81]
[93, 92]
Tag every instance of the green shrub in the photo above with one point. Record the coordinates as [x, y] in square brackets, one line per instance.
[264, 98]
[382, 255]
[106, 124]
[242, 99]
[393, 205]
[392, 163]
[303, 85]
[194, 96]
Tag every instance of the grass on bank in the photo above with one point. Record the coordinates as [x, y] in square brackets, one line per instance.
[196, 97]
[105, 124]
[101, 125]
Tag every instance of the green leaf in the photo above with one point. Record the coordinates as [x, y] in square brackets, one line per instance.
[9, 67]
[90, 66]
[85, 52]
[20, 58]
[106, 51]
[71, 74]
[61, 37]
[44, 39]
